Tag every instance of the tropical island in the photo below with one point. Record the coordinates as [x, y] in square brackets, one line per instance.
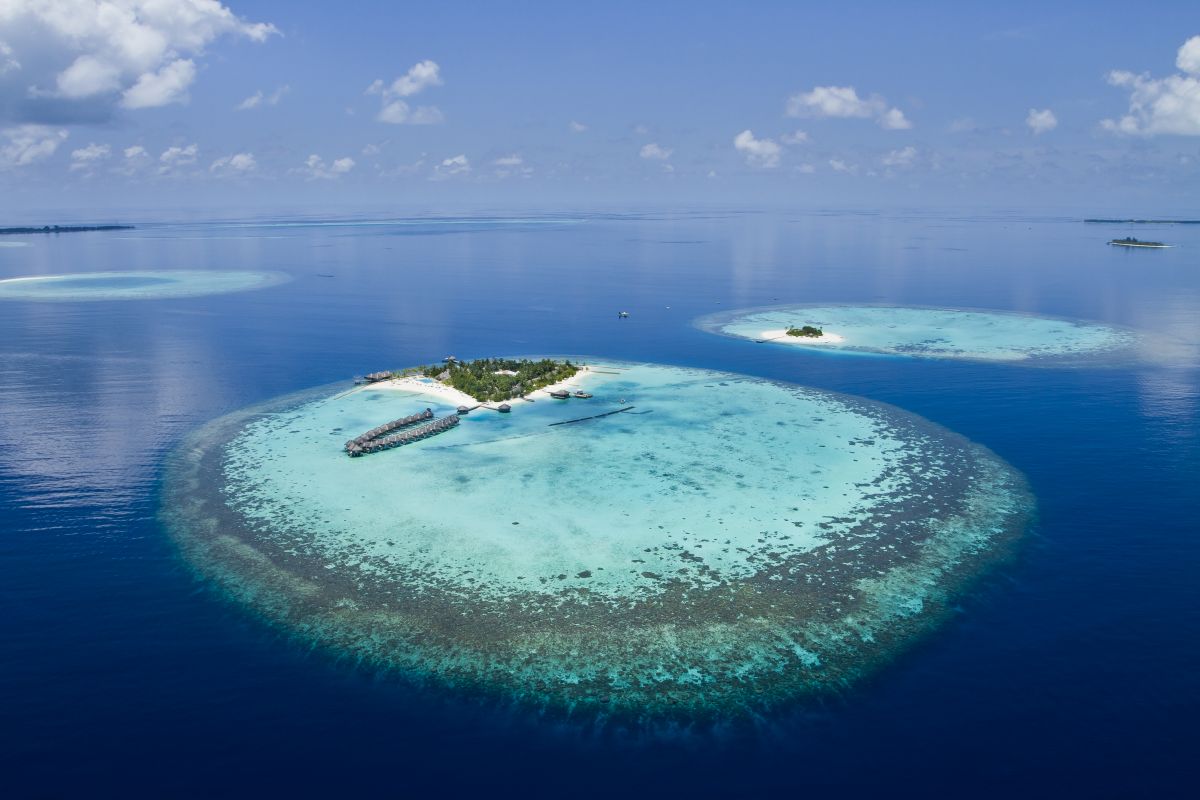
[808, 331]
[1129, 241]
[491, 379]
[64, 229]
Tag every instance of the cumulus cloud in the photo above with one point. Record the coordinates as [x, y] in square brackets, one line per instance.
[1169, 105]
[236, 164]
[508, 166]
[167, 85]
[655, 152]
[900, 158]
[81, 58]
[86, 157]
[762, 153]
[794, 138]
[1041, 121]
[844, 102]
[455, 165]
[577, 127]
[27, 144]
[174, 158]
[315, 167]
[398, 112]
[8, 59]
[838, 165]
[135, 151]
[257, 99]
[394, 109]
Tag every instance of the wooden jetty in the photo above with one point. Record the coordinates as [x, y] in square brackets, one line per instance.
[399, 432]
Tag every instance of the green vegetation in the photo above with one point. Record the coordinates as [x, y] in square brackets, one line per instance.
[488, 379]
[807, 331]
[65, 229]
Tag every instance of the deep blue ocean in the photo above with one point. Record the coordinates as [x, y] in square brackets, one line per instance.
[1071, 671]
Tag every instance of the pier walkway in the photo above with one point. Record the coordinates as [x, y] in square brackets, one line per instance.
[400, 432]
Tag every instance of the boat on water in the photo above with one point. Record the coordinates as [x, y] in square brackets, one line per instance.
[1129, 241]
[582, 395]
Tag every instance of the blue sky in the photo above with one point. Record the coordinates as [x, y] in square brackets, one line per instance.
[111, 105]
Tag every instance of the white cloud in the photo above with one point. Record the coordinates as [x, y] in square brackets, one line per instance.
[315, 167]
[794, 138]
[508, 166]
[1041, 121]
[135, 151]
[396, 111]
[236, 164]
[175, 157]
[900, 158]
[844, 102]
[137, 52]
[251, 102]
[8, 61]
[168, 85]
[258, 98]
[455, 165]
[28, 144]
[655, 152]
[839, 165]
[577, 127]
[86, 157]
[762, 153]
[1169, 105]
[1188, 58]
[806, 169]
[419, 77]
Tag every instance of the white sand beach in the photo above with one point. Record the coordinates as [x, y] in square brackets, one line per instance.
[780, 335]
[451, 395]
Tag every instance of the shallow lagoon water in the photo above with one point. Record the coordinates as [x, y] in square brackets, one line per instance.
[135, 285]
[966, 334]
[720, 546]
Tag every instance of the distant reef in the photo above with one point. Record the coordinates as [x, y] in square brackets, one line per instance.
[65, 229]
[1147, 221]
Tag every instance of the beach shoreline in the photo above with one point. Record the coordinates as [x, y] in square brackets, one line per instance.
[781, 335]
[435, 388]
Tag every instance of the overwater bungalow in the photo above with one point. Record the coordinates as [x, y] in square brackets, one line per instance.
[560, 394]
[463, 411]
[504, 408]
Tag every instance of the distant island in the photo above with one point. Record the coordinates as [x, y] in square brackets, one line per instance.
[1145, 221]
[64, 229]
[489, 379]
[808, 331]
[1129, 241]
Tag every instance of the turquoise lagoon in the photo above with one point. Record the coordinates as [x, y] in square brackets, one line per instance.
[974, 335]
[135, 285]
[721, 545]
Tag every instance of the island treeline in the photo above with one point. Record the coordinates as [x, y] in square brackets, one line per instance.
[497, 379]
[64, 229]
[807, 331]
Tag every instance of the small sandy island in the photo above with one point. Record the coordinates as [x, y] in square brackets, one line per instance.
[430, 386]
[781, 335]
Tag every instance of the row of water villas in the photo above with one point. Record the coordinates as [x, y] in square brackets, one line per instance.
[399, 432]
